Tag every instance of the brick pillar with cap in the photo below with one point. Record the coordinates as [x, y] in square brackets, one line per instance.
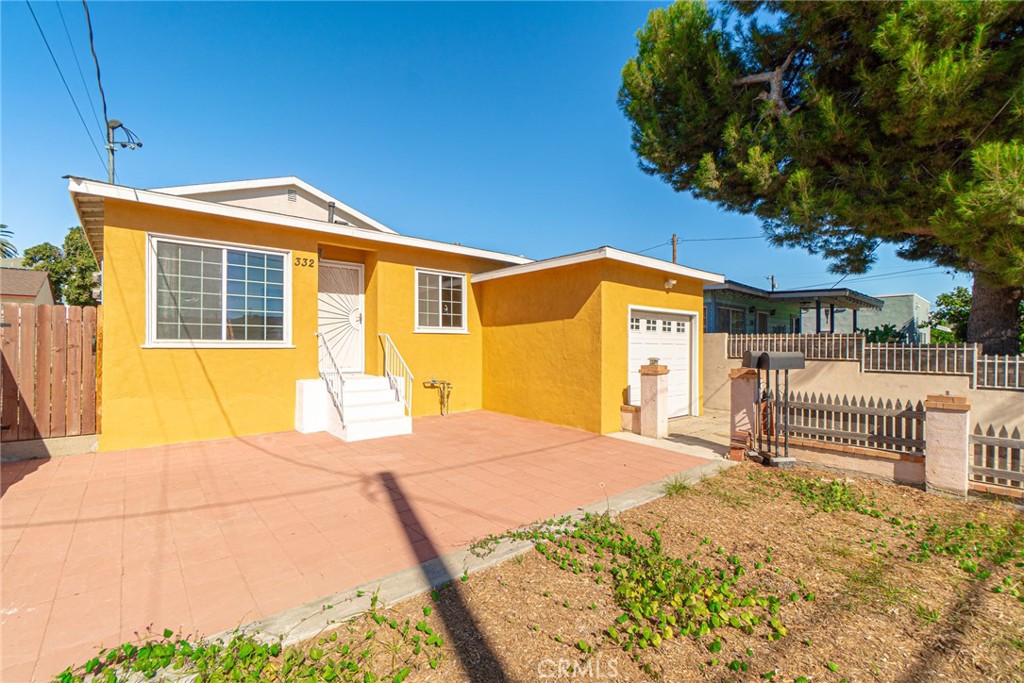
[654, 400]
[947, 447]
[742, 411]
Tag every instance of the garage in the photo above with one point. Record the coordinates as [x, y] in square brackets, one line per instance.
[668, 336]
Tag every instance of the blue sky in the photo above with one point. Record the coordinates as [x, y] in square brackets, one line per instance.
[493, 125]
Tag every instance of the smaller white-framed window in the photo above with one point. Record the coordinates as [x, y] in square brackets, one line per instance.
[652, 325]
[680, 327]
[634, 323]
[440, 302]
[666, 325]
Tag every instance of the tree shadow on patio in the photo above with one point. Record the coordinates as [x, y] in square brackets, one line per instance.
[471, 645]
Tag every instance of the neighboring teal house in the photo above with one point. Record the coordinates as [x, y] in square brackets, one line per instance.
[737, 308]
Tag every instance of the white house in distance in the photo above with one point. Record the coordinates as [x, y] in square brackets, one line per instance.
[908, 313]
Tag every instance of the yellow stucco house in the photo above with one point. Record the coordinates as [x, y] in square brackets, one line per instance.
[247, 307]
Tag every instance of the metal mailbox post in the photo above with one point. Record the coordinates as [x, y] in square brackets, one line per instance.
[769, 420]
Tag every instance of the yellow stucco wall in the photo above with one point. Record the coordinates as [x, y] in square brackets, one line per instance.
[624, 285]
[159, 396]
[556, 341]
[542, 339]
[390, 308]
[550, 345]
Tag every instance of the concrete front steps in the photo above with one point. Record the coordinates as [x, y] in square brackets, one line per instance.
[369, 406]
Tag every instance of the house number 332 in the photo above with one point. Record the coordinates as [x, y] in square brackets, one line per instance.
[304, 262]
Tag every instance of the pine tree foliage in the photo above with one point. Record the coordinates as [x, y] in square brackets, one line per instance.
[845, 125]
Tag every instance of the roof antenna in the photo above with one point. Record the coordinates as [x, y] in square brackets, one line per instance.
[131, 141]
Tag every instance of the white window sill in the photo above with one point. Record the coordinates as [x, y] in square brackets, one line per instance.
[216, 345]
[438, 330]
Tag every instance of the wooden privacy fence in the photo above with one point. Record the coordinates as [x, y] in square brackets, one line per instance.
[49, 371]
[896, 427]
[996, 460]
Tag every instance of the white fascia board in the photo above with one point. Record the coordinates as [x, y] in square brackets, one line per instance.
[601, 253]
[283, 181]
[129, 194]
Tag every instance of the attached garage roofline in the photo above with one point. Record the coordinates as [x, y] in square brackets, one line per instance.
[601, 253]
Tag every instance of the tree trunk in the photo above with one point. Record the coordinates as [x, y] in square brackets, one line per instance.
[995, 317]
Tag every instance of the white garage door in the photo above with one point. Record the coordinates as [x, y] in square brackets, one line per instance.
[665, 336]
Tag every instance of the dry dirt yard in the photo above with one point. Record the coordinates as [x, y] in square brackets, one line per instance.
[752, 575]
[861, 595]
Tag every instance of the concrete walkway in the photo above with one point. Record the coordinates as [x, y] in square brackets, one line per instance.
[203, 537]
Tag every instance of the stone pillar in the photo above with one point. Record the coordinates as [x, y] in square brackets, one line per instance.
[742, 412]
[947, 448]
[654, 401]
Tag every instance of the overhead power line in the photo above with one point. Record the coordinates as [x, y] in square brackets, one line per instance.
[78, 65]
[663, 244]
[65, 82]
[721, 239]
[96, 61]
[701, 239]
[880, 276]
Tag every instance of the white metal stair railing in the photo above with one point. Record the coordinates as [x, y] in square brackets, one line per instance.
[397, 372]
[332, 376]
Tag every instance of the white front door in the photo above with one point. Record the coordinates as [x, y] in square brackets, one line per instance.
[666, 336]
[340, 314]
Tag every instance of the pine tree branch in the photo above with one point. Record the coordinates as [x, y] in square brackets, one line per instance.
[774, 80]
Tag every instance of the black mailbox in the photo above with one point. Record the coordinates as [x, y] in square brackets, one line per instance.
[773, 360]
[781, 360]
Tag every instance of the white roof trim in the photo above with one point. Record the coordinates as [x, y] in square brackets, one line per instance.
[601, 253]
[100, 189]
[257, 183]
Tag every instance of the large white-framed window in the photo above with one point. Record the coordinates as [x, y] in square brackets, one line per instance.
[202, 293]
[440, 302]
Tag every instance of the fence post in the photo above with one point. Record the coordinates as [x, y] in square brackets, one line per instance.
[654, 400]
[742, 412]
[947, 447]
[974, 366]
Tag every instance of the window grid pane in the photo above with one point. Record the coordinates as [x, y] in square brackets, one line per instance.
[193, 289]
[439, 300]
[255, 301]
[188, 292]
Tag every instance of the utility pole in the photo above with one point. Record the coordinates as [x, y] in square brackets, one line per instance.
[110, 149]
[771, 279]
[675, 243]
[131, 142]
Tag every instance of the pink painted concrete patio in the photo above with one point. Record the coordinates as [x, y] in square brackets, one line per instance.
[206, 536]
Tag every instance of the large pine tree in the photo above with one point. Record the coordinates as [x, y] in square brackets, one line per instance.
[845, 125]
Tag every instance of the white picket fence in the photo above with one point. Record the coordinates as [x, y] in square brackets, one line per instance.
[813, 346]
[933, 359]
[986, 372]
[881, 424]
[1000, 372]
[997, 459]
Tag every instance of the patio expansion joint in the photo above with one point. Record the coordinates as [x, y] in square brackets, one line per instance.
[306, 621]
